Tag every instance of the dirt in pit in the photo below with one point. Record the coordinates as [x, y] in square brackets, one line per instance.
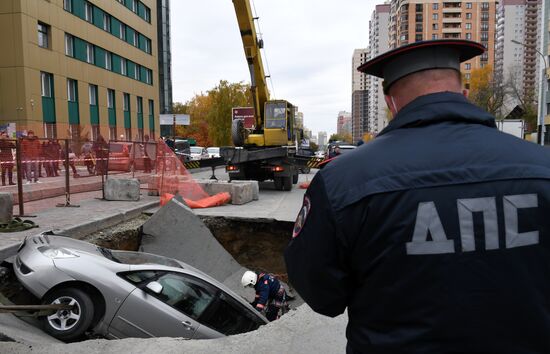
[124, 236]
[255, 244]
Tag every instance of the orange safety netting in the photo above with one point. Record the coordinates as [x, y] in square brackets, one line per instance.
[173, 178]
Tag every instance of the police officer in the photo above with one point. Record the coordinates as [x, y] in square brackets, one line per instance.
[270, 293]
[436, 238]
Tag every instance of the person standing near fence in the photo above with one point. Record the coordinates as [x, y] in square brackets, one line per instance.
[146, 157]
[31, 149]
[101, 150]
[6, 158]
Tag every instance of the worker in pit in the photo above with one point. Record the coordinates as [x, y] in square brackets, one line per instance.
[270, 293]
[435, 236]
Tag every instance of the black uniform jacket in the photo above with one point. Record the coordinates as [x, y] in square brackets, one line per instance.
[435, 236]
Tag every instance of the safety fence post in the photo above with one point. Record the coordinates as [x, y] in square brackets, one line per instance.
[19, 177]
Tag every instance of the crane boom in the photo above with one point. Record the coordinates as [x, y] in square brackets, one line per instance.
[252, 46]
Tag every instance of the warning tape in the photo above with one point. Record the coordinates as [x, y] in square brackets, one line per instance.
[192, 164]
[314, 162]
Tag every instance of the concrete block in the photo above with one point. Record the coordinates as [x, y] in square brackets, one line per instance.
[255, 188]
[122, 189]
[6, 207]
[241, 193]
[175, 231]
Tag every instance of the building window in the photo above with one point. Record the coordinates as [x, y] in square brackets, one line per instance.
[135, 40]
[50, 131]
[112, 133]
[110, 98]
[72, 90]
[69, 45]
[96, 131]
[468, 36]
[148, 15]
[151, 107]
[134, 5]
[123, 66]
[485, 16]
[468, 15]
[43, 33]
[46, 84]
[418, 7]
[139, 105]
[68, 5]
[468, 66]
[148, 77]
[468, 26]
[484, 26]
[90, 53]
[468, 5]
[467, 76]
[435, 17]
[88, 12]
[484, 56]
[435, 6]
[435, 26]
[137, 72]
[418, 37]
[434, 36]
[485, 6]
[418, 27]
[108, 61]
[126, 102]
[148, 46]
[484, 36]
[107, 22]
[122, 32]
[93, 94]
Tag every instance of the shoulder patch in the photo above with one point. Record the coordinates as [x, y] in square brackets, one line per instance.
[302, 216]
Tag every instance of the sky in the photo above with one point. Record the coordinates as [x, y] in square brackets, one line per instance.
[308, 50]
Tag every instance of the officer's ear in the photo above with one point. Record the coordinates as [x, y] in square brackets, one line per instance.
[390, 102]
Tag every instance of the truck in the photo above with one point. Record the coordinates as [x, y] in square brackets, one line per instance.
[265, 146]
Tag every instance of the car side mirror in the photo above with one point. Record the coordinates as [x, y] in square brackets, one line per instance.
[154, 287]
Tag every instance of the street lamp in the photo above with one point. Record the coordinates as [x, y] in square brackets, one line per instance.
[540, 116]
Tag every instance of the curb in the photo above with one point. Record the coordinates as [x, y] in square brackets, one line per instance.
[80, 230]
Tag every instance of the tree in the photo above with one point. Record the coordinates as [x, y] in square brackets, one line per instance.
[197, 108]
[223, 98]
[517, 95]
[486, 91]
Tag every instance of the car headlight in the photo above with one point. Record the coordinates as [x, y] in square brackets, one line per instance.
[56, 253]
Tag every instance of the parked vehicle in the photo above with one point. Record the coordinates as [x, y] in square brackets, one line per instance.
[182, 148]
[213, 152]
[198, 153]
[122, 156]
[120, 294]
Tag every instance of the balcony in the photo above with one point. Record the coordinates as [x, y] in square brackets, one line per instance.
[452, 30]
[452, 10]
[452, 20]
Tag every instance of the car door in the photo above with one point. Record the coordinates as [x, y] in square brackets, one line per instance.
[171, 313]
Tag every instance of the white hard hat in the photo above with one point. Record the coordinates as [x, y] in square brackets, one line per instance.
[249, 278]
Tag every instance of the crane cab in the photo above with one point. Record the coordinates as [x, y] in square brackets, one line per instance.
[279, 123]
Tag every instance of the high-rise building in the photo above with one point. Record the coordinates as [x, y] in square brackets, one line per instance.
[164, 56]
[78, 67]
[343, 125]
[359, 95]
[417, 20]
[299, 120]
[517, 63]
[544, 91]
[322, 139]
[379, 43]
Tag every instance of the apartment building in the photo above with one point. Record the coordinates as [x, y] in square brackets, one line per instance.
[344, 123]
[518, 38]
[417, 20]
[164, 56]
[379, 43]
[359, 95]
[544, 92]
[80, 67]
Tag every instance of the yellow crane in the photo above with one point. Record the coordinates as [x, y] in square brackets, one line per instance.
[274, 119]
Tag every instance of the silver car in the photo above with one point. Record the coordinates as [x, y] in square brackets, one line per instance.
[120, 294]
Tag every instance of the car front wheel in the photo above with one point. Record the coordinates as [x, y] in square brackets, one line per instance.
[69, 325]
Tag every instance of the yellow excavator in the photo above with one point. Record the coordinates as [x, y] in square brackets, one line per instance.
[274, 119]
[267, 148]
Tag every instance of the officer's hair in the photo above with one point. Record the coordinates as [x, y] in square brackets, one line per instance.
[446, 79]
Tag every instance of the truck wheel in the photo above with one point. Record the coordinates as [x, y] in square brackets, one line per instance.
[238, 133]
[295, 178]
[287, 183]
[278, 183]
[69, 325]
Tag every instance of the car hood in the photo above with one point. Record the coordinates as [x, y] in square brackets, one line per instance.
[71, 243]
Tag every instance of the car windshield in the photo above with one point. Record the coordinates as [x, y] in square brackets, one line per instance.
[213, 150]
[125, 257]
[196, 150]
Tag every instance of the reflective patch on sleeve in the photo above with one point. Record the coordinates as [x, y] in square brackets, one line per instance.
[302, 216]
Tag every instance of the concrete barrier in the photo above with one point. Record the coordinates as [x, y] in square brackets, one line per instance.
[175, 231]
[241, 193]
[6, 207]
[122, 189]
[255, 188]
